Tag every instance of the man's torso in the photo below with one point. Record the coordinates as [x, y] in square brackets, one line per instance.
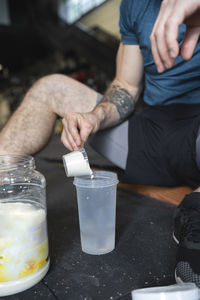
[181, 84]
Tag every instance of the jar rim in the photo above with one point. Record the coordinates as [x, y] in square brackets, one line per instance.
[13, 162]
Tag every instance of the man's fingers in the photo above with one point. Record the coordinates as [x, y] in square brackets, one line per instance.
[172, 14]
[167, 61]
[154, 49]
[67, 138]
[72, 127]
[171, 35]
[158, 42]
[76, 129]
[85, 131]
[65, 141]
[190, 41]
[159, 33]
[156, 57]
[183, 11]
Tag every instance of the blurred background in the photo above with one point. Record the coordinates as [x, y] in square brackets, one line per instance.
[78, 38]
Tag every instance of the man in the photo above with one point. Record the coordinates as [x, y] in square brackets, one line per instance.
[160, 146]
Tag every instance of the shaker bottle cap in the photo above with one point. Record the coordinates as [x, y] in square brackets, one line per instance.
[184, 291]
[76, 163]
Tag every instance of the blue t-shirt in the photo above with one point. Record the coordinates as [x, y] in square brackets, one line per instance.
[180, 84]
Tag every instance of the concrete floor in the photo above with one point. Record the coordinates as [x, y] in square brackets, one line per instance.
[144, 254]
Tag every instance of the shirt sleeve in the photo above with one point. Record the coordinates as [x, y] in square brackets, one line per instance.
[127, 23]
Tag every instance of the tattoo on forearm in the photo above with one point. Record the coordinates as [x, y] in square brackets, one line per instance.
[123, 101]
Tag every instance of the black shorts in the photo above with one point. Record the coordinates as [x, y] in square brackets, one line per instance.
[162, 146]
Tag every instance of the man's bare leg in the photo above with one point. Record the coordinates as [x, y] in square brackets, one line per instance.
[31, 126]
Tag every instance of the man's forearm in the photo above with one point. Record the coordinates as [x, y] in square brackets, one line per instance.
[116, 105]
[122, 99]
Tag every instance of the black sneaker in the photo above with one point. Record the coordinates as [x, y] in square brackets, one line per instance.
[187, 235]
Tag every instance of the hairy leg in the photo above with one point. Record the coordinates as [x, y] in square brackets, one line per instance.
[31, 125]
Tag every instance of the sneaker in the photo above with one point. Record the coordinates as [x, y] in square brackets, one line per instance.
[187, 235]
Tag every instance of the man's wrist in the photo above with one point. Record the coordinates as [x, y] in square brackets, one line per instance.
[106, 114]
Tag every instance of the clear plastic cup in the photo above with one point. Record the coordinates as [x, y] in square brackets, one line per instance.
[76, 163]
[182, 291]
[97, 211]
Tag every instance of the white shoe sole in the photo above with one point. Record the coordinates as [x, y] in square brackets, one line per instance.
[178, 279]
[175, 239]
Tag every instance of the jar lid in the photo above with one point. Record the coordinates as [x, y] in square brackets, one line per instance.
[183, 291]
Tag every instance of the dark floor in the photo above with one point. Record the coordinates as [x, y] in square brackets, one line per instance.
[144, 255]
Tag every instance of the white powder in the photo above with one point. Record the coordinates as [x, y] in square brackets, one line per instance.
[25, 210]
[22, 238]
[19, 215]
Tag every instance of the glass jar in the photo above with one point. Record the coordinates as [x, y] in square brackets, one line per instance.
[24, 257]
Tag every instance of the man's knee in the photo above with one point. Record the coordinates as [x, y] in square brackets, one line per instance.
[52, 83]
[49, 89]
[61, 94]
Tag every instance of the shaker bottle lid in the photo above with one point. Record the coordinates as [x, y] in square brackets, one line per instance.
[183, 291]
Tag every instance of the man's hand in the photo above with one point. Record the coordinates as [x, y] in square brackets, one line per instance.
[164, 35]
[77, 127]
